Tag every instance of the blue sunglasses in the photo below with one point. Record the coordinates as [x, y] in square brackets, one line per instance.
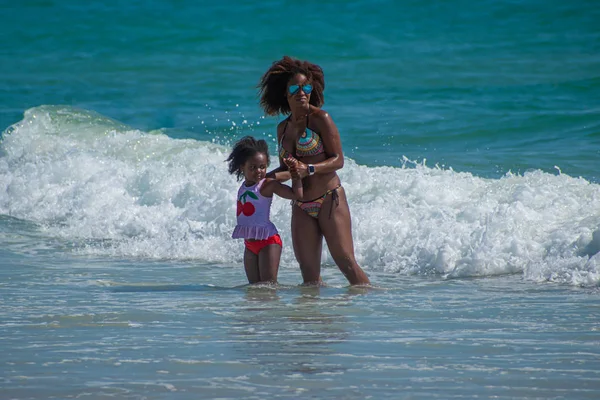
[293, 89]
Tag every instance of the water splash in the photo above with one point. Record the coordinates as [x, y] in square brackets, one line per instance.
[115, 191]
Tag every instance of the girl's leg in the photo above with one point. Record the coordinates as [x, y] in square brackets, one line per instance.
[251, 266]
[337, 230]
[308, 244]
[268, 263]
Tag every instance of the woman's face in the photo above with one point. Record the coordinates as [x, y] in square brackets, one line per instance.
[298, 92]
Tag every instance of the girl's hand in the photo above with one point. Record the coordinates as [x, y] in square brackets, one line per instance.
[290, 161]
[299, 166]
[292, 165]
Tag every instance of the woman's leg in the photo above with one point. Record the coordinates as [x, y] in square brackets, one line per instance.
[308, 244]
[337, 229]
[268, 263]
[251, 266]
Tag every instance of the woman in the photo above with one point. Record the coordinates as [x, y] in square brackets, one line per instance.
[310, 138]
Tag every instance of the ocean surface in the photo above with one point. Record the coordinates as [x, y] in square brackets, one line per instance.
[471, 132]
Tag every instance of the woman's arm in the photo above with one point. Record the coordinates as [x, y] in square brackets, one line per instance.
[281, 173]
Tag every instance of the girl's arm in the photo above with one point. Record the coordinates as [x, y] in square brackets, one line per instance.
[297, 189]
[280, 173]
[296, 180]
[292, 165]
[273, 186]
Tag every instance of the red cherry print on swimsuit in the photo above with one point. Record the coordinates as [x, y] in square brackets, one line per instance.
[240, 207]
[246, 207]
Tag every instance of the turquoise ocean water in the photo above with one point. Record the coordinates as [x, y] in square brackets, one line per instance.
[472, 139]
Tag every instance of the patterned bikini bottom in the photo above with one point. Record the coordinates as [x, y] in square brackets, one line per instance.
[313, 207]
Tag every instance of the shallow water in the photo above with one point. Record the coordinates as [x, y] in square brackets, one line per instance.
[131, 329]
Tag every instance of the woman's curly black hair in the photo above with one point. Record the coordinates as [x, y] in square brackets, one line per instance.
[273, 84]
[243, 149]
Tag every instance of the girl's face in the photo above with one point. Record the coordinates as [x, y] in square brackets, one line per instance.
[296, 91]
[255, 168]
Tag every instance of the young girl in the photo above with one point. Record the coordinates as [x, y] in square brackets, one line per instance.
[250, 159]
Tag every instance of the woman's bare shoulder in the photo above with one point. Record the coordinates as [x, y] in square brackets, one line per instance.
[318, 113]
[281, 126]
[321, 118]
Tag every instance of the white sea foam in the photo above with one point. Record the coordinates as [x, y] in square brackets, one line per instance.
[115, 191]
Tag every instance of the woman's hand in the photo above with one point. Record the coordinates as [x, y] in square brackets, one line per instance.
[302, 169]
